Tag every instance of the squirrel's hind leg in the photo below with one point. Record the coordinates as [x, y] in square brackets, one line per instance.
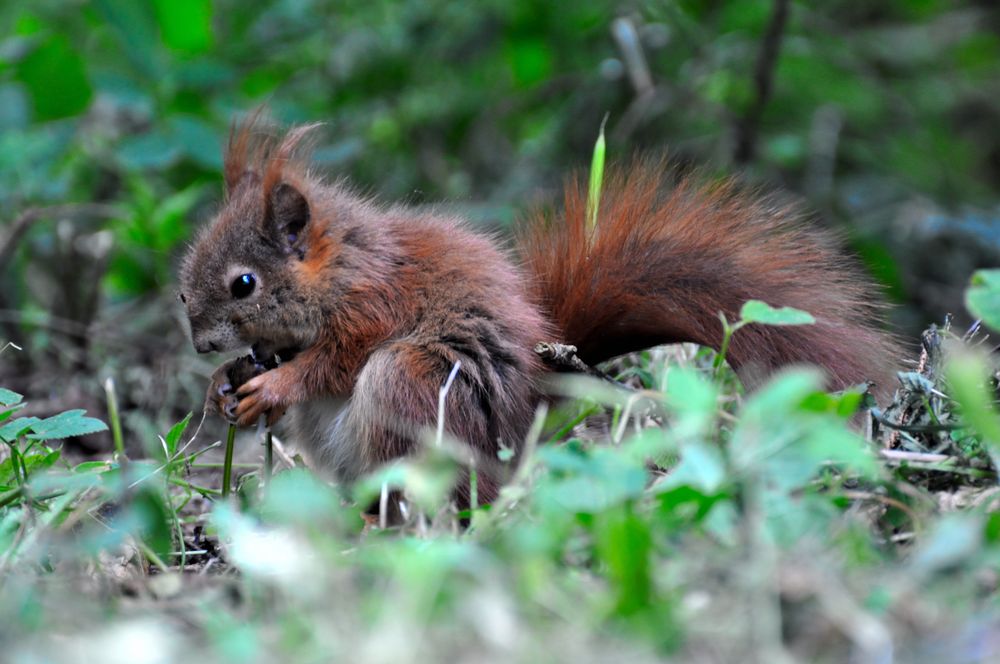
[394, 409]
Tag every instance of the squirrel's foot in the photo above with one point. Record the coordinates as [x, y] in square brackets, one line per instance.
[221, 397]
[269, 393]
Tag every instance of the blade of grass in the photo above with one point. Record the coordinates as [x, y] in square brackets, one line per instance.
[116, 425]
[596, 178]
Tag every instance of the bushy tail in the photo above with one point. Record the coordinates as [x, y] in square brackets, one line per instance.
[667, 256]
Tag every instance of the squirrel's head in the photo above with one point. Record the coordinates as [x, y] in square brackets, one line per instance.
[241, 280]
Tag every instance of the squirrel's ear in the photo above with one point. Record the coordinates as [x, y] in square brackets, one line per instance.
[287, 217]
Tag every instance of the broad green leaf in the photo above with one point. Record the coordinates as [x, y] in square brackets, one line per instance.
[199, 140]
[66, 425]
[782, 394]
[135, 26]
[530, 61]
[16, 428]
[624, 544]
[701, 467]
[156, 149]
[685, 505]
[168, 220]
[56, 80]
[693, 398]
[149, 517]
[32, 462]
[185, 25]
[983, 297]
[755, 311]
[588, 481]
[41, 460]
[8, 398]
[298, 497]
[967, 380]
[954, 538]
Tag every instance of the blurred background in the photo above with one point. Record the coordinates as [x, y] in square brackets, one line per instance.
[884, 118]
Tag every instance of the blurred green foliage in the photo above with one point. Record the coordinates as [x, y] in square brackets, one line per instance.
[490, 100]
[777, 528]
[488, 105]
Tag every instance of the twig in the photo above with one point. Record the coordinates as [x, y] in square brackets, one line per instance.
[746, 127]
[279, 449]
[920, 457]
[891, 502]
[23, 222]
[563, 357]
[627, 37]
[17, 228]
[913, 428]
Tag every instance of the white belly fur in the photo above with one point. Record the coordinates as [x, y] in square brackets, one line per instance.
[317, 429]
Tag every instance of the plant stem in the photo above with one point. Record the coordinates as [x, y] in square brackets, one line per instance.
[151, 555]
[568, 428]
[727, 333]
[11, 496]
[205, 491]
[116, 425]
[227, 466]
[268, 456]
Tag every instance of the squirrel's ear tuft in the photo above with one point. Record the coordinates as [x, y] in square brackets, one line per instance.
[287, 217]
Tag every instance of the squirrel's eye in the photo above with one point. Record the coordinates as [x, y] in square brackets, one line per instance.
[243, 285]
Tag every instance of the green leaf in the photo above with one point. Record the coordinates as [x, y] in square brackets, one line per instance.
[135, 26]
[588, 482]
[149, 517]
[967, 379]
[32, 462]
[88, 466]
[55, 79]
[530, 61]
[693, 398]
[596, 179]
[701, 467]
[953, 539]
[185, 25]
[625, 544]
[8, 398]
[298, 497]
[199, 140]
[15, 428]
[156, 149]
[174, 435]
[66, 425]
[983, 297]
[41, 460]
[755, 311]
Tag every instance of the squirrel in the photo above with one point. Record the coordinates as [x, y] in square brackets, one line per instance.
[369, 307]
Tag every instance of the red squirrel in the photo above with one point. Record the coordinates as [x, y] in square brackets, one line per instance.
[371, 306]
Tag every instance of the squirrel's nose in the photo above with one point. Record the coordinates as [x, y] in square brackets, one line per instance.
[203, 346]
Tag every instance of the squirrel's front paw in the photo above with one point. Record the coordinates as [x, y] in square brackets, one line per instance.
[221, 397]
[268, 393]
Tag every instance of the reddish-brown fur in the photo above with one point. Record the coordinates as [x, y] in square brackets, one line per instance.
[667, 257]
[378, 304]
